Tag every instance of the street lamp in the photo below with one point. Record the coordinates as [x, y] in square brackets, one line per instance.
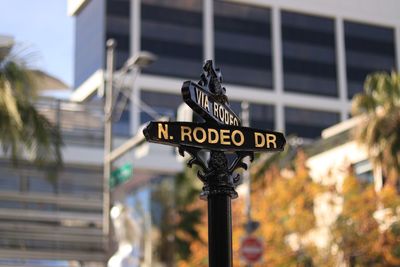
[136, 62]
[140, 60]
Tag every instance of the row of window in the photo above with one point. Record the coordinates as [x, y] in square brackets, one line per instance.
[172, 29]
[69, 181]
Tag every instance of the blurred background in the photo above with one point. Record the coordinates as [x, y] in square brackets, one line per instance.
[80, 187]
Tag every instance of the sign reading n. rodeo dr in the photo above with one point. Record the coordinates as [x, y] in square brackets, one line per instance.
[218, 137]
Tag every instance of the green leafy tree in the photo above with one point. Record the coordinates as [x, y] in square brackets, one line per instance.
[24, 132]
[380, 127]
[189, 214]
[179, 216]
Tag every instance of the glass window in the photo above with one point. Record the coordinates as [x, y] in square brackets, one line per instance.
[262, 116]
[39, 183]
[172, 29]
[309, 59]
[236, 106]
[308, 123]
[9, 180]
[243, 43]
[118, 28]
[363, 171]
[158, 104]
[368, 49]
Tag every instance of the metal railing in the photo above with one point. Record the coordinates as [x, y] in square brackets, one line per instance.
[62, 219]
[78, 122]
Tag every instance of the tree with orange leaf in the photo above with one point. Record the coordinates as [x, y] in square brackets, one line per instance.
[368, 229]
[284, 207]
[355, 231]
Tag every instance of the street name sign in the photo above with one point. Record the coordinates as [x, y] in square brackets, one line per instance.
[207, 106]
[214, 137]
[121, 174]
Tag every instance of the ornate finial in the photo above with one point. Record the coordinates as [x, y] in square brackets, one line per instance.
[211, 79]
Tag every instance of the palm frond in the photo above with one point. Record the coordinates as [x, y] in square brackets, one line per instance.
[379, 131]
[24, 132]
[8, 104]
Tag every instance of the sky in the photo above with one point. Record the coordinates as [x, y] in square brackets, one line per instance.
[44, 27]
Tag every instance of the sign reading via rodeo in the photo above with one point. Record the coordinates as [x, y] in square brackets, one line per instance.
[207, 105]
[207, 98]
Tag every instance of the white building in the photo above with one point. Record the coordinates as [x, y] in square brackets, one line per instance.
[297, 63]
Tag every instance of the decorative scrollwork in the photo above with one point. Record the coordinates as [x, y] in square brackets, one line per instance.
[217, 176]
[194, 160]
[238, 162]
[211, 78]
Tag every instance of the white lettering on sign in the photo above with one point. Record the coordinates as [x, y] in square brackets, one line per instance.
[202, 100]
[217, 110]
[222, 114]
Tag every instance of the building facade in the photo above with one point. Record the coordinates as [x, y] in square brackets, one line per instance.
[52, 218]
[297, 64]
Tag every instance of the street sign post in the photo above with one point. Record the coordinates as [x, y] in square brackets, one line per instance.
[221, 133]
[251, 249]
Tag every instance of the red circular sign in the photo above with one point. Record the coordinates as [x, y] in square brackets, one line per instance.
[251, 249]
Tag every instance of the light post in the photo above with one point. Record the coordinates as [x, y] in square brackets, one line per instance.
[136, 62]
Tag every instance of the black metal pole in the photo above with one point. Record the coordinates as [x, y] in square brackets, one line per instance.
[219, 230]
[219, 189]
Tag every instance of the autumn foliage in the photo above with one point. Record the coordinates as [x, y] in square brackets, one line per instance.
[283, 206]
[283, 201]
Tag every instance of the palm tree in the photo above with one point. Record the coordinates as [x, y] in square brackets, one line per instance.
[24, 132]
[379, 106]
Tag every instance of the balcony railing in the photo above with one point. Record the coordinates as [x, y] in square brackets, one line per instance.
[60, 219]
[79, 123]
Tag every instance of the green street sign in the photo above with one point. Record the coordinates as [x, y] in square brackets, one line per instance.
[120, 175]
